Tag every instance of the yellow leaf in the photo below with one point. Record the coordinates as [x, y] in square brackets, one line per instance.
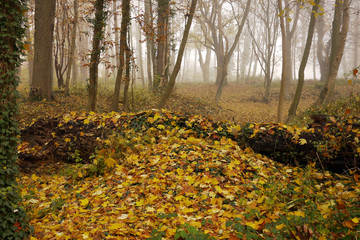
[85, 236]
[299, 213]
[34, 177]
[218, 189]
[179, 197]
[350, 82]
[188, 210]
[281, 226]
[140, 203]
[110, 162]
[196, 224]
[302, 141]
[355, 220]
[84, 202]
[67, 139]
[115, 226]
[86, 121]
[254, 225]
[150, 209]
[160, 126]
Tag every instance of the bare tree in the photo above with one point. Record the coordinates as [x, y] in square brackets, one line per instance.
[265, 50]
[211, 13]
[149, 34]
[309, 40]
[62, 41]
[176, 70]
[340, 27]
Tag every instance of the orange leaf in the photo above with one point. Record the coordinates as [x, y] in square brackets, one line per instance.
[357, 177]
[355, 72]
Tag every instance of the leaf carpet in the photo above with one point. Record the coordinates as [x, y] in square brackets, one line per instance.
[163, 178]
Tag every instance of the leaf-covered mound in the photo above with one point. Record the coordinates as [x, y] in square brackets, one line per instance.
[171, 184]
[74, 137]
[161, 174]
[332, 145]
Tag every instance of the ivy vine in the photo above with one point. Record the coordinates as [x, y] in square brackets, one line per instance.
[13, 220]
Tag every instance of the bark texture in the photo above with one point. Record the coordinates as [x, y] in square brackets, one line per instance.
[340, 27]
[41, 83]
[95, 54]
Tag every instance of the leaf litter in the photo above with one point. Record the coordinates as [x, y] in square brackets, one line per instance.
[168, 176]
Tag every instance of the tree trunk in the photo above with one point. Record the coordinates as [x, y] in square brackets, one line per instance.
[99, 24]
[127, 78]
[177, 66]
[83, 49]
[314, 58]
[14, 219]
[356, 43]
[162, 56]
[238, 63]
[30, 51]
[41, 84]
[340, 29]
[289, 35]
[296, 100]
[72, 48]
[284, 60]
[140, 55]
[205, 64]
[322, 53]
[195, 66]
[149, 42]
[116, 33]
[123, 48]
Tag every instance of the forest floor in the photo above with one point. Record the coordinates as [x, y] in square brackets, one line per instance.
[170, 175]
[240, 103]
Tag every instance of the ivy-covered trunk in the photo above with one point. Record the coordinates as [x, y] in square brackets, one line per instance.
[99, 24]
[13, 220]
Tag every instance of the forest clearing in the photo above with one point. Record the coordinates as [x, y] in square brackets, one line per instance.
[198, 119]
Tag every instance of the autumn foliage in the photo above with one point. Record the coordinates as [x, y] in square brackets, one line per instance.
[159, 174]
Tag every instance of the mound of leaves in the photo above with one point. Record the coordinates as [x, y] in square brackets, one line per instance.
[179, 179]
[332, 145]
[76, 136]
